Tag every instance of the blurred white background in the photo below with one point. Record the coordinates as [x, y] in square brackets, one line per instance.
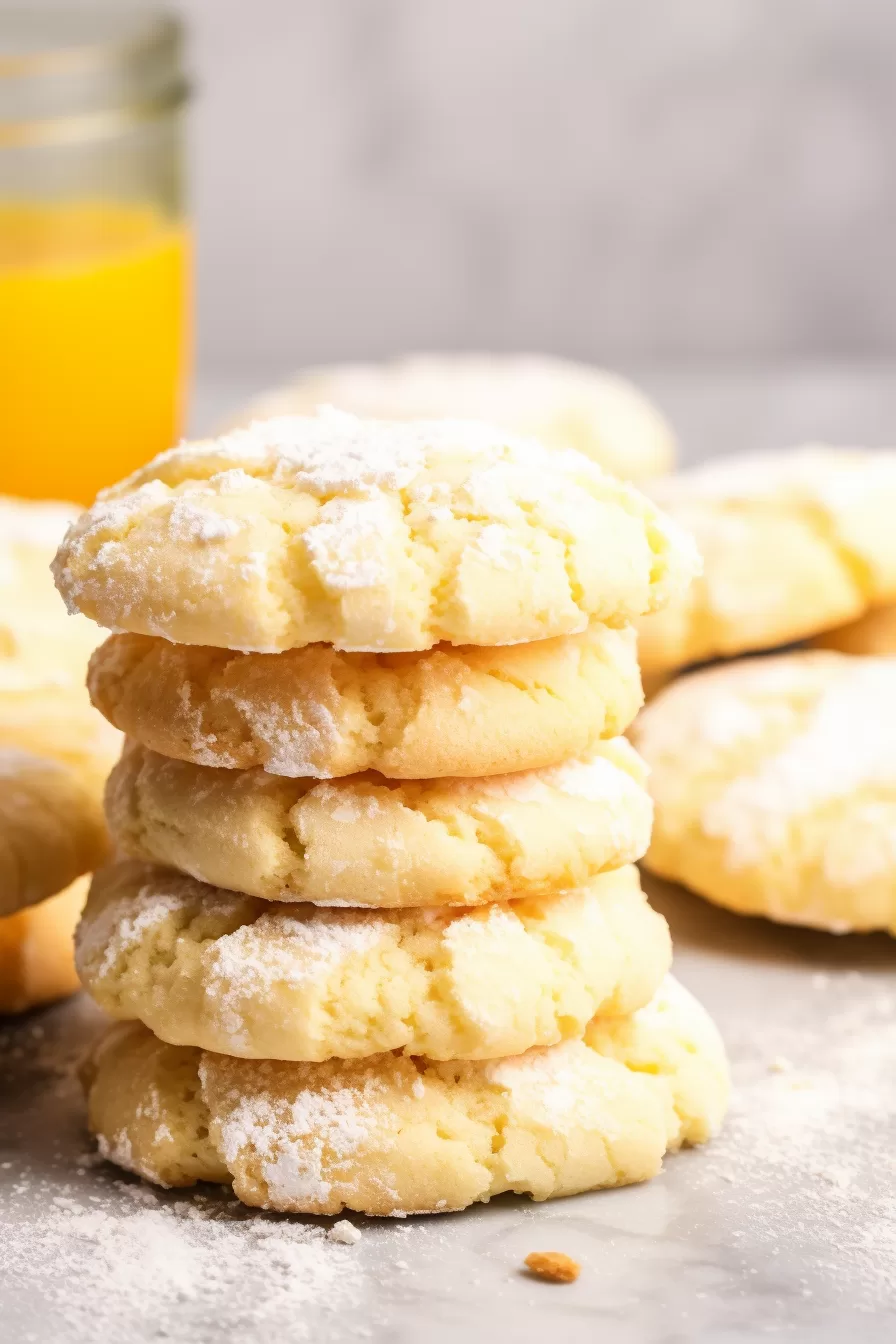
[629, 181]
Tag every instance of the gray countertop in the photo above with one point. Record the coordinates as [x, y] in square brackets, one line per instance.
[784, 1226]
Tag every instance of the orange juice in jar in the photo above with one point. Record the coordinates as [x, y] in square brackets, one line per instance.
[94, 248]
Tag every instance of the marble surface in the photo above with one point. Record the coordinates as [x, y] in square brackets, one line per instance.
[785, 1226]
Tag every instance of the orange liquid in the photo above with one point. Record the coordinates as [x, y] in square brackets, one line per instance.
[93, 344]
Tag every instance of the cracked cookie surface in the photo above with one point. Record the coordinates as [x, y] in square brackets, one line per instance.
[774, 784]
[206, 967]
[397, 1135]
[793, 543]
[369, 536]
[318, 712]
[367, 841]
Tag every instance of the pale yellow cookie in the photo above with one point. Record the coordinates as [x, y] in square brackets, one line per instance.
[563, 404]
[206, 967]
[369, 536]
[397, 1135]
[792, 542]
[52, 716]
[874, 633]
[51, 829]
[774, 781]
[317, 712]
[368, 841]
[37, 963]
[34, 625]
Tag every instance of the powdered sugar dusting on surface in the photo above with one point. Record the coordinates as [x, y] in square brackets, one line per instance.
[88, 1254]
[803, 1169]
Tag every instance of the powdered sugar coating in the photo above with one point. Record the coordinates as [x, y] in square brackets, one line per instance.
[367, 841]
[213, 969]
[316, 712]
[374, 535]
[779, 776]
[393, 1135]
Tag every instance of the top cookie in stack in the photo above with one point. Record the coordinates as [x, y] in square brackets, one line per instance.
[450, 608]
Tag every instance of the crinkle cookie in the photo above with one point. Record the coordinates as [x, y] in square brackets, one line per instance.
[52, 716]
[792, 542]
[368, 841]
[34, 625]
[369, 536]
[563, 404]
[774, 781]
[37, 962]
[316, 712]
[874, 633]
[51, 829]
[398, 1135]
[205, 967]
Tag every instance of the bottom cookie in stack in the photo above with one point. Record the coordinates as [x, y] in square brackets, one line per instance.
[394, 1134]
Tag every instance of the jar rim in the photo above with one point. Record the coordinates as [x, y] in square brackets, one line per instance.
[149, 32]
[86, 71]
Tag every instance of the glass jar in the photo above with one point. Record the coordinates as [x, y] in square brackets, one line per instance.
[94, 245]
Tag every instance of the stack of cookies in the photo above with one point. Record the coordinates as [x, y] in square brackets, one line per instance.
[374, 935]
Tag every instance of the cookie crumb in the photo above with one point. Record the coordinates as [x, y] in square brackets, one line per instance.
[553, 1266]
[344, 1232]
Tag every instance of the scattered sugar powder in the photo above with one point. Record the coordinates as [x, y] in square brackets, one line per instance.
[113, 1270]
[808, 1143]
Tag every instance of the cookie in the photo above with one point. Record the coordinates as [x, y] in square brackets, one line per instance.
[397, 1135]
[369, 536]
[774, 781]
[793, 543]
[368, 841]
[36, 951]
[34, 625]
[563, 404]
[51, 715]
[874, 633]
[51, 829]
[316, 712]
[205, 967]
